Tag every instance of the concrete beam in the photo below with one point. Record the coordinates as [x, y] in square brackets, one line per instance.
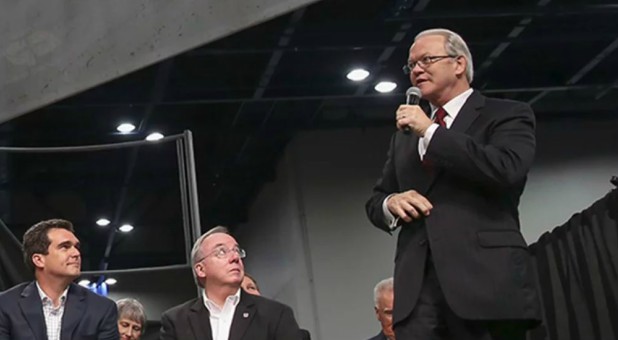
[50, 50]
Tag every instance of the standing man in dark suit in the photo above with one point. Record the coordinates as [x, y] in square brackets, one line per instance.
[452, 182]
[225, 311]
[383, 306]
[52, 307]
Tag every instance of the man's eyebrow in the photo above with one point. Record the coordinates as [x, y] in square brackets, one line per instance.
[68, 243]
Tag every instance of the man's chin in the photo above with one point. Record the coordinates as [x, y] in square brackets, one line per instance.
[74, 274]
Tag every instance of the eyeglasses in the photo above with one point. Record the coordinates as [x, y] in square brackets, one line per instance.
[224, 252]
[425, 62]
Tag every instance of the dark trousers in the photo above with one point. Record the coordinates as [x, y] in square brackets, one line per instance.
[433, 319]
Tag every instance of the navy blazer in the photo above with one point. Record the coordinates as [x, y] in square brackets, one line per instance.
[86, 315]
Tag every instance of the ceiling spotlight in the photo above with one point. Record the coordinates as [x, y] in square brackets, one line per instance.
[103, 222]
[125, 228]
[155, 136]
[125, 127]
[84, 283]
[111, 281]
[358, 74]
[385, 86]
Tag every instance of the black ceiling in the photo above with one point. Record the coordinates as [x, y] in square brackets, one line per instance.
[245, 97]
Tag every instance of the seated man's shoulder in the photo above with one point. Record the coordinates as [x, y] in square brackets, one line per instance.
[182, 308]
[266, 303]
[91, 296]
[13, 292]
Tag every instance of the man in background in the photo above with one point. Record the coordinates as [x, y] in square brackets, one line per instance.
[383, 306]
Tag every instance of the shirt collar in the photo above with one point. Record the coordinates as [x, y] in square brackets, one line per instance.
[46, 299]
[213, 307]
[453, 106]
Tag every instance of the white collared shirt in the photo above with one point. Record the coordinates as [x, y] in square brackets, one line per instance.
[452, 108]
[221, 317]
[53, 315]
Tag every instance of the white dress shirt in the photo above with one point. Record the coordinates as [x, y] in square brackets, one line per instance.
[452, 108]
[221, 317]
[53, 315]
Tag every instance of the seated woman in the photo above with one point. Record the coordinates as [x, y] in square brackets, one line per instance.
[131, 319]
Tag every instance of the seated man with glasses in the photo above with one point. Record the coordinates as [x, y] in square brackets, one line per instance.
[225, 311]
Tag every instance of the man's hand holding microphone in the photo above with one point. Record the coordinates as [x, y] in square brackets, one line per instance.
[410, 117]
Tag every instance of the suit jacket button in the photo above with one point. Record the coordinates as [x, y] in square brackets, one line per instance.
[422, 242]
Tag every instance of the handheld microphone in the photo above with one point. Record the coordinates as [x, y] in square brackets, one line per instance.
[413, 97]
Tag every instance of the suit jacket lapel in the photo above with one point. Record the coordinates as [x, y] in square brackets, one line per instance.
[199, 320]
[245, 311]
[74, 309]
[32, 309]
[469, 112]
[466, 116]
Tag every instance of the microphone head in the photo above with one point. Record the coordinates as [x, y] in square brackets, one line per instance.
[413, 91]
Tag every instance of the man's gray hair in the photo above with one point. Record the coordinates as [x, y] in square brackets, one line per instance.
[455, 45]
[382, 287]
[197, 254]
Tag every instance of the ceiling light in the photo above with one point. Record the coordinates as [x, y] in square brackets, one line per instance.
[385, 86]
[103, 222]
[125, 127]
[111, 281]
[358, 74]
[125, 228]
[155, 136]
[84, 283]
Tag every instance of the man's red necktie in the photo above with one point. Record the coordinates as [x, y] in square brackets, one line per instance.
[439, 119]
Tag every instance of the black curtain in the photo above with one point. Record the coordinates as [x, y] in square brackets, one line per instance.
[12, 267]
[577, 267]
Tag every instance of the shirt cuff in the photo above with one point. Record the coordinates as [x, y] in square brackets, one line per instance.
[427, 138]
[390, 220]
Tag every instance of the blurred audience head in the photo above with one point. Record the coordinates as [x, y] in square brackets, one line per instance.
[249, 284]
[383, 305]
[131, 319]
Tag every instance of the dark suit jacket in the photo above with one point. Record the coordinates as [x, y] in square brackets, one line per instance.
[380, 336]
[86, 315]
[255, 318]
[479, 168]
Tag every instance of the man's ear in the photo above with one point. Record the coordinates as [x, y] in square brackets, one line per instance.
[462, 64]
[38, 260]
[199, 270]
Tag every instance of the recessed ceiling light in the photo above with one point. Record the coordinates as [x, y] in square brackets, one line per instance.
[125, 127]
[103, 222]
[111, 281]
[385, 86]
[125, 228]
[358, 74]
[84, 283]
[155, 136]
